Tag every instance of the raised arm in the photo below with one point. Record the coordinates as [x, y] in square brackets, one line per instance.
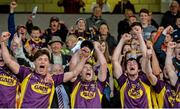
[14, 66]
[169, 64]
[141, 41]
[103, 64]
[117, 70]
[76, 70]
[147, 67]
[18, 52]
[11, 22]
[74, 60]
[155, 63]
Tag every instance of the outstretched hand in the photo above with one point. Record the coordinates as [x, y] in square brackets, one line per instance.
[17, 39]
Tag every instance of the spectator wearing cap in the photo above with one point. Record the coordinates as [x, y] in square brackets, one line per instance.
[87, 91]
[169, 17]
[56, 28]
[80, 29]
[105, 35]
[20, 30]
[55, 45]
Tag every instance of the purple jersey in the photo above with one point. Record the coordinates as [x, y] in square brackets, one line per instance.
[8, 88]
[167, 95]
[87, 94]
[135, 94]
[177, 105]
[35, 93]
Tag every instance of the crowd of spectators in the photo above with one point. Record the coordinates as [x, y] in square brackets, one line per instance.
[84, 66]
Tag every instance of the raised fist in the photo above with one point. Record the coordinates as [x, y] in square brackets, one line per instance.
[168, 30]
[172, 45]
[13, 4]
[126, 37]
[5, 36]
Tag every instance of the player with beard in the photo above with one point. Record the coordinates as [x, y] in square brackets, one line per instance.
[36, 89]
[8, 85]
[87, 91]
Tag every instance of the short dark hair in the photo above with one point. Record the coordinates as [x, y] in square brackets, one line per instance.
[87, 43]
[41, 52]
[143, 10]
[36, 28]
[136, 24]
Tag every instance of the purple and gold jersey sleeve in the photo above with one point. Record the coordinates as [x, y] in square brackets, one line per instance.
[101, 85]
[159, 86]
[58, 79]
[144, 78]
[23, 72]
[122, 80]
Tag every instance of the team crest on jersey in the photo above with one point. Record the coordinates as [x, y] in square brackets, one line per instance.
[41, 88]
[172, 97]
[7, 80]
[88, 94]
[135, 93]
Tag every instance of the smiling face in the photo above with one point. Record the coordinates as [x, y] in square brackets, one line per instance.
[42, 64]
[87, 73]
[56, 47]
[144, 17]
